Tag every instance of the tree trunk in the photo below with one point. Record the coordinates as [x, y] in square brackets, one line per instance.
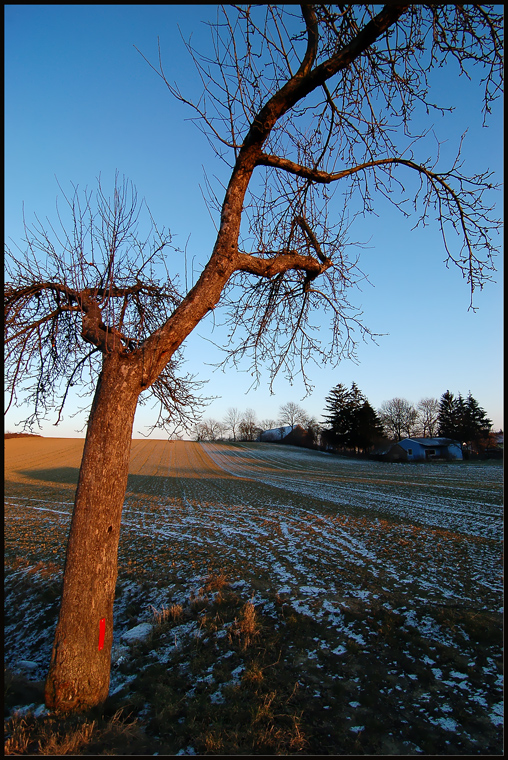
[78, 677]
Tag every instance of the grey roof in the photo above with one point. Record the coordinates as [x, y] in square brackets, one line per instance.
[275, 433]
[433, 441]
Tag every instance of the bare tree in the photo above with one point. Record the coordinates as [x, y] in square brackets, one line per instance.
[268, 424]
[313, 428]
[199, 430]
[232, 420]
[428, 415]
[298, 103]
[249, 426]
[216, 429]
[292, 414]
[209, 429]
[398, 417]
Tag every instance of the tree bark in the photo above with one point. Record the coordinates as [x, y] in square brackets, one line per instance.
[79, 672]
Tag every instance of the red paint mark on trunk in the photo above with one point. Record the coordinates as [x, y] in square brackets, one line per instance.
[102, 633]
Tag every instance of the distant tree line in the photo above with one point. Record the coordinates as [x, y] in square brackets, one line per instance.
[245, 426]
[352, 426]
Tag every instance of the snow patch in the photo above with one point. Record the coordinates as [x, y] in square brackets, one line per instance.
[138, 633]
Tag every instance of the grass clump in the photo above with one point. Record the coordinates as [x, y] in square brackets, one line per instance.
[247, 627]
[167, 615]
[55, 735]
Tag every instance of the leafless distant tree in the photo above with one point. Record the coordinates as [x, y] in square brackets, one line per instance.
[292, 414]
[249, 426]
[313, 428]
[209, 429]
[232, 420]
[428, 415]
[297, 102]
[399, 418]
[268, 424]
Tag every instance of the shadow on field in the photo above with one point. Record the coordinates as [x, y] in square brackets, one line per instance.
[53, 474]
[143, 484]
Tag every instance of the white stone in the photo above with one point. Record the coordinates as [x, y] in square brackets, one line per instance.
[41, 711]
[26, 665]
[119, 653]
[139, 633]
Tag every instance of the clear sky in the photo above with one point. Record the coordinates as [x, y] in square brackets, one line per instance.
[80, 100]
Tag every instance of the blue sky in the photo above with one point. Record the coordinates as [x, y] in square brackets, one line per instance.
[80, 101]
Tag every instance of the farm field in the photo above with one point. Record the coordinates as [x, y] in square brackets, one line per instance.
[295, 602]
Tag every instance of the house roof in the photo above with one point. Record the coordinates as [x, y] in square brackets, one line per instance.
[281, 433]
[433, 441]
[277, 431]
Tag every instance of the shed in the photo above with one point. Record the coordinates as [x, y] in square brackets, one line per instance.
[422, 450]
[294, 434]
[276, 434]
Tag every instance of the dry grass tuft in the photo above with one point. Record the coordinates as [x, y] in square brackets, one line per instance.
[167, 614]
[74, 735]
[28, 736]
[199, 602]
[264, 711]
[17, 742]
[246, 627]
[215, 582]
[214, 744]
[69, 743]
[253, 674]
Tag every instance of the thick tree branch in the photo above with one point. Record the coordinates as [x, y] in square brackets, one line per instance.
[322, 177]
[283, 262]
[225, 258]
[305, 80]
[94, 331]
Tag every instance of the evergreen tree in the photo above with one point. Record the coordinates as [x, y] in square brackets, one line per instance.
[476, 425]
[337, 418]
[353, 423]
[448, 423]
[368, 429]
[463, 420]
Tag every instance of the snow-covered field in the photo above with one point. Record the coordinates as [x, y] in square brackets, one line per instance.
[393, 571]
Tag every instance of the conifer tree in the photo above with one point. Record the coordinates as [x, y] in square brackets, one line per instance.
[337, 418]
[447, 416]
[476, 425]
[463, 420]
[368, 429]
[353, 422]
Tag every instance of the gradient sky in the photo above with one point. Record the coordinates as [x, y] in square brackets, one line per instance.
[80, 100]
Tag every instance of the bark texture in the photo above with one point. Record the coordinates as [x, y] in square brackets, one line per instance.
[79, 672]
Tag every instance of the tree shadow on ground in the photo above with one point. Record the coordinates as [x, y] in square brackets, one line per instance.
[151, 485]
[53, 475]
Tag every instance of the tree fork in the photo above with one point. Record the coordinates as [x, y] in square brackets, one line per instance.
[79, 672]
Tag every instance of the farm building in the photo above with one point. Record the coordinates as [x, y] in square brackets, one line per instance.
[420, 450]
[277, 434]
[293, 434]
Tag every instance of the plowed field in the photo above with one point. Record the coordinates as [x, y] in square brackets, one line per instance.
[376, 591]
